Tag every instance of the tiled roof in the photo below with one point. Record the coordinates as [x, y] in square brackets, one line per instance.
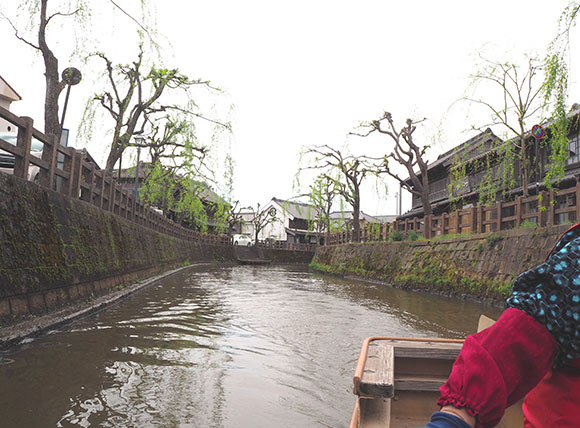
[297, 209]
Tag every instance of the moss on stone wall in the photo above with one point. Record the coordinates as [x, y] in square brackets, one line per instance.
[48, 241]
[477, 265]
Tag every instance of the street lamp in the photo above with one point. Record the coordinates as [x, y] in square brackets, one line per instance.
[140, 140]
[71, 76]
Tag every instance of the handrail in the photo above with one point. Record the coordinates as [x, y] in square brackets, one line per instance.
[546, 209]
[63, 169]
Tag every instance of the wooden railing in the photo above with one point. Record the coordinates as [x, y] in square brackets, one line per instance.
[549, 208]
[63, 169]
[368, 233]
[280, 245]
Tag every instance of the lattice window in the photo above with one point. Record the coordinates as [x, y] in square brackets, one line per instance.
[573, 150]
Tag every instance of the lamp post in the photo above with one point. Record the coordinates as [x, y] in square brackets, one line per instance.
[71, 76]
[140, 140]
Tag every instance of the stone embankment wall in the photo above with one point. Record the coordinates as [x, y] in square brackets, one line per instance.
[482, 265]
[55, 251]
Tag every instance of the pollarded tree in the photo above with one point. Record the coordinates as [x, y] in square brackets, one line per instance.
[405, 152]
[36, 35]
[352, 170]
[134, 102]
[178, 178]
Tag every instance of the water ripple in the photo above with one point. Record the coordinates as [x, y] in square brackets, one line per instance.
[217, 347]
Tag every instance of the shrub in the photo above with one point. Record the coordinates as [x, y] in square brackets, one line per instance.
[528, 224]
[397, 235]
[412, 236]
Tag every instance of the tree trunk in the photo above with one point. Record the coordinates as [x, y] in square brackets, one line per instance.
[524, 164]
[52, 125]
[112, 159]
[425, 194]
[120, 142]
[355, 220]
[327, 228]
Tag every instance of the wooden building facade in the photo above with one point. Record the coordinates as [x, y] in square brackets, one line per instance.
[473, 173]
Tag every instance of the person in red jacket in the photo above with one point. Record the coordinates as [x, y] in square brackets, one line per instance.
[532, 351]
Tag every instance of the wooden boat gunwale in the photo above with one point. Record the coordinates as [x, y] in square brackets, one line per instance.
[362, 361]
[513, 416]
[365, 349]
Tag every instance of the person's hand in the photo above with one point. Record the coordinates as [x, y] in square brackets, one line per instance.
[445, 419]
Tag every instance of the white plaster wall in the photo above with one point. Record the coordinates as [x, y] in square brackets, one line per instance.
[277, 229]
[4, 125]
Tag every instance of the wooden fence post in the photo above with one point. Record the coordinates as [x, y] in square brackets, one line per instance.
[74, 179]
[92, 180]
[23, 142]
[498, 225]
[113, 196]
[427, 226]
[577, 202]
[78, 175]
[474, 219]
[552, 208]
[480, 219]
[543, 209]
[49, 152]
[103, 177]
[519, 210]
[457, 222]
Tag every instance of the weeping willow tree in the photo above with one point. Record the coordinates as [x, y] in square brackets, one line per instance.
[346, 173]
[538, 92]
[322, 194]
[33, 23]
[153, 108]
[512, 94]
[556, 92]
[484, 164]
[141, 93]
[177, 176]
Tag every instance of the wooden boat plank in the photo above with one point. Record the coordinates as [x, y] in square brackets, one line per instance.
[374, 412]
[426, 344]
[419, 383]
[378, 374]
[430, 353]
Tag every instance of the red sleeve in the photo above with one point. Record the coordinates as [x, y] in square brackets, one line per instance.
[498, 366]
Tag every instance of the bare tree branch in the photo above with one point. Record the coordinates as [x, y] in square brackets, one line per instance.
[17, 34]
[406, 153]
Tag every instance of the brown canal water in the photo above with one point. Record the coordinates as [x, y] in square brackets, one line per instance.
[218, 347]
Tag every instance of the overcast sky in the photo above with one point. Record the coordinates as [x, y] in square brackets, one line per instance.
[302, 73]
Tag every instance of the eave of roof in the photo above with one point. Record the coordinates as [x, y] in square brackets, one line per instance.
[18, 97]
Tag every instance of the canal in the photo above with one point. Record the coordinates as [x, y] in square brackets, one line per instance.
[218, 347]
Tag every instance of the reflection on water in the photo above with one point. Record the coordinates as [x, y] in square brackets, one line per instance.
[218, 347]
